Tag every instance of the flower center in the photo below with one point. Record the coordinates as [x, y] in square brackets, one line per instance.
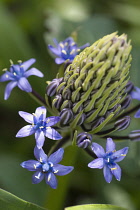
[45, 167]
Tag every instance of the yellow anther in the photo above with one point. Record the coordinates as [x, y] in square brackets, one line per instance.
[34, 166]
[66, 43]
[73, 44]
[19, 61]
[14, 74]
[61, 45]
[49, 177]
[73, 51]
[48, 120]
[33, 124]
[38, 177]
[64, 51]
[41, 127]
[48, 127]
[4, 69]
[78, 50]
[123, 155]
[22, 66]
[113, 168]
[34, 114]
[40, 160]
[7, 75]
[11, 62]
[55, 171]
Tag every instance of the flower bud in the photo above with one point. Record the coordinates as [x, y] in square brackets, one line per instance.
[122, 123]
[66, 115]
[83, 140]
[51, 88]
[134, 135]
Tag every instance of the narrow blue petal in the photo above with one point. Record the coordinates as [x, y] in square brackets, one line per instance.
[6, 77]
[52, 120]
[24, 85]
[120, 154]
[57, 156]
[25, 131]
[110, 145]
[107, 174]
[98, 150]
[54, 50]
[59, 60]
[39, 111]
[26, 116]
[51, 180]
[97, 163]
[51, 133]
[9, 88]
[37, 177]
[40, 155]
[117, 172]
[62, 170]
[33, 71]
[28, 63]
[30, 165]
[55, 41]
[136, 94]
[137, 115]
[40, 138]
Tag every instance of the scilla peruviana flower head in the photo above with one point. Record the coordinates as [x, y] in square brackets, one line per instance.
[108, 160]
[65, 50]
[47, 167]
[40, 126]
[18, 75]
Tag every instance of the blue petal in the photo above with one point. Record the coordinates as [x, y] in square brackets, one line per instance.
[51, 180]
[39, 111]
[25, 131]
[24, 85]
[26, 116]
[97, 163]
[59, 60]
[30, 165]
[40, 138]
[107, 174]
[98, 150]
[37, 177]
[110, 145]
[52, 134]
[62, 170]
[52, 120]
[33, 71]
[117, 172]
[120, 154]
[54, 50]
[57, 156]
[9, 88]
[6, 77]
[84, 46]
[28, 63]
[137, 115]
[136, 94]
[40, 155]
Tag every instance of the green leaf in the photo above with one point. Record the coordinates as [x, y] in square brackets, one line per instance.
[95, 207]
[11, 202]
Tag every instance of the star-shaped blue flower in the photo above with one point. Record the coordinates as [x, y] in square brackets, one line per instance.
[108, 160]
[18, 75]
[65, 50]
[136, 95]
[40, 126]
[47, 167]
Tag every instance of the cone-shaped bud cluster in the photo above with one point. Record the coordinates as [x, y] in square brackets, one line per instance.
[83, 140]
[135, 135]
[95, 86]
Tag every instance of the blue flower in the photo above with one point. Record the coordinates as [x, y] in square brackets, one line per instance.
[47, 167]
[18, 75]
[65, 50]
[40, 126]
[136, 95]
[108, 160]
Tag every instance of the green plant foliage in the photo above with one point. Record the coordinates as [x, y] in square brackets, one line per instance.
[95, 207]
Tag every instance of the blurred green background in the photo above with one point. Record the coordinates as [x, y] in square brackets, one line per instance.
[26, 27]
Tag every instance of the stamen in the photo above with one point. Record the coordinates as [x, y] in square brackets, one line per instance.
[49, 177]
[14, 73]
[34, 114]
[7, 75]
[48, 127]
[55, 172]
[73, 51]
[40, 160]
[22, 66]
[41, 127]
[123, 155]
[73, 44]
[64, 51]
[11, 62]
[61, 45]
[66, 43]
[38, 177]
[113, 168]
[4, 69]
[108, 160]
[48, 120]
[33, 124]
[34, 166]
[19, 61]
[78, 50]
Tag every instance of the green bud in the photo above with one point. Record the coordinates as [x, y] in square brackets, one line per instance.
[96, 83]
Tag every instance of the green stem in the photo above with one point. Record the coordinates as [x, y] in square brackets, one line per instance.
[39, 99]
